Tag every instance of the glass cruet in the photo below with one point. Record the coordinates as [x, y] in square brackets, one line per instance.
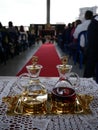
[67, 83]
[66, 77]
[35, 93]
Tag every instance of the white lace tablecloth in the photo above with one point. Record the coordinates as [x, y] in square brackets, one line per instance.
[54, 122]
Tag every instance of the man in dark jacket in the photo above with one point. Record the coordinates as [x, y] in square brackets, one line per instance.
[91, 66]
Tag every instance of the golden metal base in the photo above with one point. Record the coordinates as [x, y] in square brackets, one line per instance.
[79, 106]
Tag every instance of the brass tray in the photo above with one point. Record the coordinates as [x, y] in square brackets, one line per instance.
[80, 106]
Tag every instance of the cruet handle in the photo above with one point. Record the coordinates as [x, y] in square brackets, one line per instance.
[23, 75]
[23, 80]
[74, 79]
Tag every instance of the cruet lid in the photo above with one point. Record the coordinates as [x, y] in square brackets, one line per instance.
[34, 61]
[64, 60]
[34, 68]
[64, 67]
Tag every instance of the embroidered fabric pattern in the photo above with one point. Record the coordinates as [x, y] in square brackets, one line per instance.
[55, 122]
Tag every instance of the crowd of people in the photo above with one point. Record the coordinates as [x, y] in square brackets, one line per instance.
[71, 32]
[68, 41]
[14, 40]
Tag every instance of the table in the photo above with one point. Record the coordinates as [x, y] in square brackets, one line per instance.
[56, 122]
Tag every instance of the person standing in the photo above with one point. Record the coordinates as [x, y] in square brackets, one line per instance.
[91, 65]
[23, 38]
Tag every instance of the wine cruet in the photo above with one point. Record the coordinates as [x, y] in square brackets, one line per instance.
[64, 91]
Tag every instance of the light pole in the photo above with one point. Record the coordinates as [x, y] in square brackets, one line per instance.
[48, 11]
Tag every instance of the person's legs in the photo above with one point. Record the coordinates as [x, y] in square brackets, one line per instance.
[89, 67]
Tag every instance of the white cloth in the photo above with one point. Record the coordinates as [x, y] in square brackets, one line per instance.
[81, 27]
[40, 124]
[49, 122]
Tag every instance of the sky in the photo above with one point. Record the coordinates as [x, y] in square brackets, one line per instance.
[26, 12]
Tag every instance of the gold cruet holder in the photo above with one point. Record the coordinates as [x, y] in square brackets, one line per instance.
[34, 98]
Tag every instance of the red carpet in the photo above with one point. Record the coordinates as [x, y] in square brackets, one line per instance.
[48, 58]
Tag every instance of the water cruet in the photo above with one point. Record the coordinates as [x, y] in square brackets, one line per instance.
[35, 94]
